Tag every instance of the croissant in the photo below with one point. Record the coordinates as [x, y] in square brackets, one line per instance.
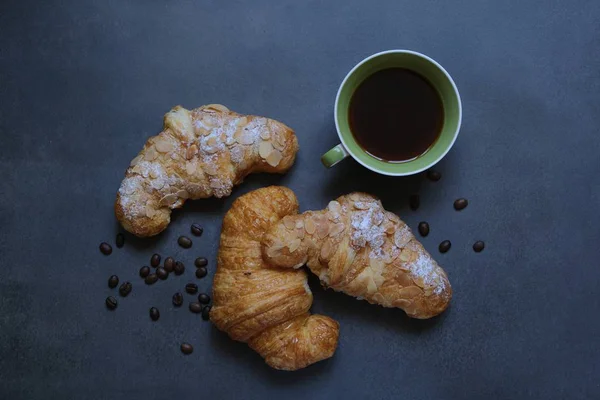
[263, 306]
[358, 248]
[200, 153]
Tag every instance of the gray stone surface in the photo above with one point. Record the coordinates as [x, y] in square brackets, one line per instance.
[82, 84]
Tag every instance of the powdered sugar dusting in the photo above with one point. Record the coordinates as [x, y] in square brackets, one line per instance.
[367, 228]
[425, 268]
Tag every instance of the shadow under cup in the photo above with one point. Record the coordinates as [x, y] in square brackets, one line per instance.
[425, 67]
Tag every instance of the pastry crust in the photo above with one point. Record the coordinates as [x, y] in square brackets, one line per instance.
[263, 306]
[200, 153]
[358, 248]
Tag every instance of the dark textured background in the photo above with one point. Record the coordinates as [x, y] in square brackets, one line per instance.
[83, 85]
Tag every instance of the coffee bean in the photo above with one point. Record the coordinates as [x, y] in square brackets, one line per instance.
[478, 246]
[162, 273]
[433, 175]
[201, 272]
[414, 201]
[177, 299]
[125, 289]
[445, 246]
[169, 264]
[191, 288]
[206, 313]
[204, 298]
[201, 262]
[184, 242]
[423, 228]
[460, 204]
[155, 260]
[144, 271]
[120, 240]
[179, 268]
[111, 303]
[105, 248]
[113, 281]
[196, 308]
[197, 230]
[151, 279]
[154, 314]
[186, 348]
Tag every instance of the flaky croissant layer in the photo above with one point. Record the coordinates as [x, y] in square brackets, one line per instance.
[263, 306]
[357, 247]
[199, 154]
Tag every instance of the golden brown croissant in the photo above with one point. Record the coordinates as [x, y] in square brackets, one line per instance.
[200, 153]
[263, 306]
[358, 248]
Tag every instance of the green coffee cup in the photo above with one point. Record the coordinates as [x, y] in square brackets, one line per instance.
[426, 67]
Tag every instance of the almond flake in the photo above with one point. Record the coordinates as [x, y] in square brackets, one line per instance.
[151, 154]
[190, 168]
[336, 229]
[241, 121]
[326, 250]
[245, 138]
[265, 135]
[401, 237]
[274, 158]
[389, 228]
[183, 194]
[274, 249]
[309, 226]
[168, 200]
[136, 160]
[322, 230]
[361, 205]
[300, 233]
[216, 184]
[265, 149]
[299, 224]
[211, 169]
[409, 292]
[405, 255]
[277, 143]
[289, 222]
[217, 107]
[153, 174]
[191, 152]
[334, 207]
[163, 146]
[294, 244]
[150, 211]
[229, 140]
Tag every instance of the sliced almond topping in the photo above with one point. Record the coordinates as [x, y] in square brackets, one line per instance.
[163, 146]
[336, 229]
[245, 138]
[401, 237]
[183, 194]
[241, 121]
[229, 140]
[334, 206]
[210, 169]
[153, 173]
[265, 149]
[277, 143]
[190, 168]
[280, 141]
[389, 227]
[217, 107]
[418, 281]
[136, 160]
[361, 205]
[409, 292]
[168, 200]
[191, 152]
[216, 184]
[326, 250]
[322, 230]
[289, 222]
[150, 211]
[274, 158]
[150, 154]
[300, 233]
[274, 249]
[406, 255]
[299, 224]
[294, 244]
[265, 134]
[355, 196]
[309, 226]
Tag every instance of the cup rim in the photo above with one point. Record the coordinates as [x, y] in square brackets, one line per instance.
[381, 53]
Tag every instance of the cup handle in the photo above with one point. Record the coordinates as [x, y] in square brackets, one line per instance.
[334, 156]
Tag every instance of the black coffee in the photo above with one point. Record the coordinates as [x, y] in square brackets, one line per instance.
[396, 115]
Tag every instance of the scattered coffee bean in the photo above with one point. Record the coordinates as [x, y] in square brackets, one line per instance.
[154, 314]
[478, 246]
[206, 313]
[433, 175]
[162, 273]
[414, 201]
[120, 240]
[197, 230]
[113, 281]
[201, 272]
[105, 248]
[204, 298]
[177, 299]
[191, 288]
[460, 204]
[184, 242]
[151, 279]
[196, 308]
[125, 289]
[445, 246]
[144, 271]
[111, 303]
[423, 228]
[201, 262]
[155, 260]
[179, 268]
[169, 264]
[186, 348]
